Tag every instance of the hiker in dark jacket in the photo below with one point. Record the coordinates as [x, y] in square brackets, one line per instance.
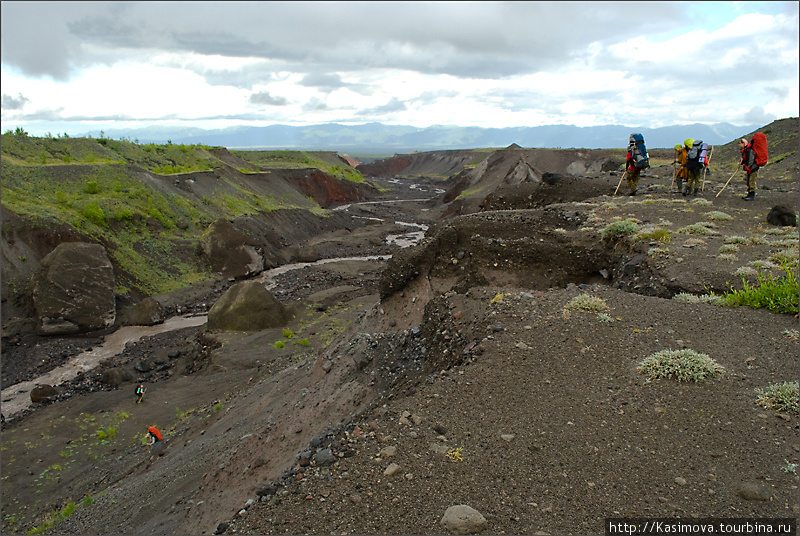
[750, 168]
[693, 176]
[632, 172]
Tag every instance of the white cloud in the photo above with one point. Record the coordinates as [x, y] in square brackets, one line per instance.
[491, 64]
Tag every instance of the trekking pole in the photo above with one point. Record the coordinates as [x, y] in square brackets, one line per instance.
[726, 184]
[620, 182]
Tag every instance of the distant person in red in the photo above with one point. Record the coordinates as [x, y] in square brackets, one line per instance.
[750, 167]
[155, 439]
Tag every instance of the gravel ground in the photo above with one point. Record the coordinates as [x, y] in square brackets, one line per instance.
[477, 390]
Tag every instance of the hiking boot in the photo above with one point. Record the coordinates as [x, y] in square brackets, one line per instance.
[695, 192]
[685, 191]
[750, 196]
[633, 192]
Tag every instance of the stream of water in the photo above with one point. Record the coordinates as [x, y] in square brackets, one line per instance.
[17, 397]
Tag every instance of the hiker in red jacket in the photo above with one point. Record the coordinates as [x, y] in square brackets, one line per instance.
[750, 168]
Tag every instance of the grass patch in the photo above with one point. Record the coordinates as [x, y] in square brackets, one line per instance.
[778, 294]
[683, 365]
[735, 240]
[655, 235]
[779, 396]
[703, 298]
[698, 229]
[619, 229]
[718, 216]
[587, 303]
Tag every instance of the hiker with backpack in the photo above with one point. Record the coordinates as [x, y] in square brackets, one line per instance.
[154, 439]
[754, 155]
[682, 174]
[696, 162]
[140, 390]
[636, 161]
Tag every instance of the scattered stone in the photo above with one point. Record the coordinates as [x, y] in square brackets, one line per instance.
[680, 481]
[752, 491]
[392, 469]
[40, 393]
[264, 490]
[388, 452]
[221, 528]
[507, 437]
[463, 519]
[324, 457]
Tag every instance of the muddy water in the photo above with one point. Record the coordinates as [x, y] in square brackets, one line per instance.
[17, 397]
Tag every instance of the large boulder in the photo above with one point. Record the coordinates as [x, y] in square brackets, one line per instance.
[147, 312]
[41, 393]
[782, 215]
[247, 306]
[73, 290]
[229, 251]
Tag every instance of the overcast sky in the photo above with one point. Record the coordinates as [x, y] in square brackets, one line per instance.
[79, 66]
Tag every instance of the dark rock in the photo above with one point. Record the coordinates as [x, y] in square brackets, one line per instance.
[324, 457]
[752, 491]
[264, 490]
[116, 376]
[221, 528]
[229, 251]
[143, 366]
[247, 306]
[782, 215]
[147, 312]
[73, 291]
[40, 393]
[552, 178]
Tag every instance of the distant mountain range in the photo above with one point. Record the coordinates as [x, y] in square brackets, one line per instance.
[380, 139]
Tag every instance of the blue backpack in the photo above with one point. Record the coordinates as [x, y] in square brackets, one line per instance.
[638, 151]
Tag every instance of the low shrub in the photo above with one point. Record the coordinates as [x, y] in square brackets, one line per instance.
[588, 303]
[703, 298]
[682, 365]
[735, 240]
[698, 229]
[718, 216]
[655, 235]
[618, 229]
[779, 396]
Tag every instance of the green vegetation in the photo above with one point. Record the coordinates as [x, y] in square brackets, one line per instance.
[326, 161]
[588, 303]
[654, 235]
[778, 294]
[618, 229]
[682, 365]
[698, 229]
[780, 397]
[279, 345]
[147, 224]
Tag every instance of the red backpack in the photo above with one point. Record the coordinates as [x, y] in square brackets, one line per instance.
[759, 143]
